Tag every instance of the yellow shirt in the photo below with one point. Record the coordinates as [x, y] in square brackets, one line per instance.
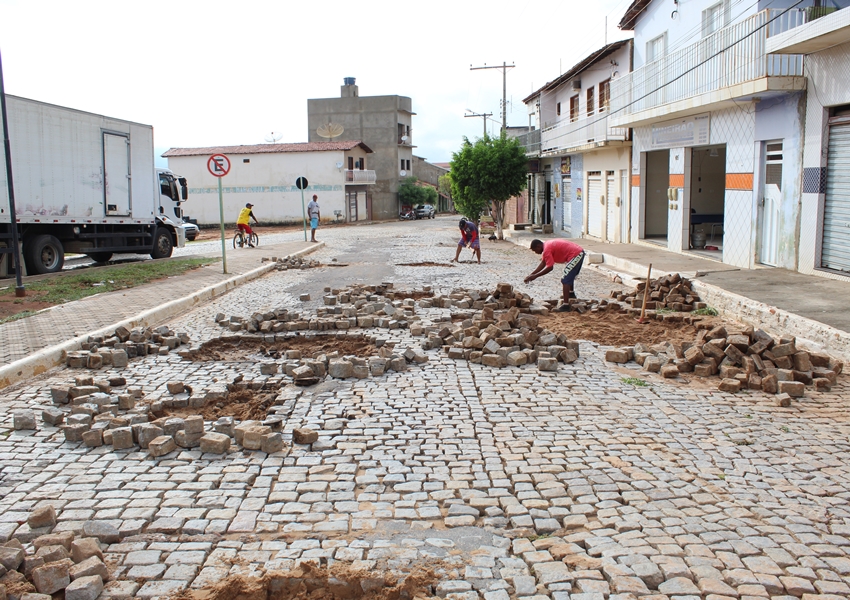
[244, 216]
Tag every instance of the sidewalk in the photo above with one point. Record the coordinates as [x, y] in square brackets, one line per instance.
[810, 307]
[61, 323]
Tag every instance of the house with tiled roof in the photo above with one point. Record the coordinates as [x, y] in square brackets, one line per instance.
[265, 175]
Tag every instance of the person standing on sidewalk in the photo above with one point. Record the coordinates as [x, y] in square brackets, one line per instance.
[562, 252]
[314, 213]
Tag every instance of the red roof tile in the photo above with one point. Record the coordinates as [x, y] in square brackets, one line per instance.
[270, 148]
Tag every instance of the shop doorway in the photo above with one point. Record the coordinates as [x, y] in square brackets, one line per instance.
[595, 203]
[771, 200]
[656, 203]
[707, 200]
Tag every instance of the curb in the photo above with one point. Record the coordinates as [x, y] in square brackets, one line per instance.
[40, 362]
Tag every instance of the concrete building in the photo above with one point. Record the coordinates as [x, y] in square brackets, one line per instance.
[383, 123]
[717, 128]
[265, 175]
[430, 173]
[824, 244]
[580, 179]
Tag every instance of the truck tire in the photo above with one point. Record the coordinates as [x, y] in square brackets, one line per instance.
[162, 243]
[44, 254]
[100, 257]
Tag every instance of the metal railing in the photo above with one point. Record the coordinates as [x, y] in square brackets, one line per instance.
[358, 176]
[730, 56]
[571, 134]
[531, 142]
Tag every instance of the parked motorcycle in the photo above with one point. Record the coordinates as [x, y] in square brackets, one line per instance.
[409, 215]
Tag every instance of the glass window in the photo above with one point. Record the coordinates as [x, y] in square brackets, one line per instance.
[574, 108]
[656, 48]
[165, 186]
[604, 95]
[591, 101]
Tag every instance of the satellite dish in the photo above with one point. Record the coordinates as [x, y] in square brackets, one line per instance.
[402, 173]
[273, 137]
[404, 138]
[338, 165]
[330, 131]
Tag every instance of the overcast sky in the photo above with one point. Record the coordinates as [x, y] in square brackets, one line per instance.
[227, 73]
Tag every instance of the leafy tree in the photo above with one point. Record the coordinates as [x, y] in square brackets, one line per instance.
[410, 192]
[488, 173]
[445, 185]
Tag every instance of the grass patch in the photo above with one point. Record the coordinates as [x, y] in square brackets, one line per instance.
[664, 311]
[20, 315]
[705, 312]
[68, 288]
[635, 381]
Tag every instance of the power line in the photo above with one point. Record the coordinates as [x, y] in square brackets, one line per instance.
[505, 66]
[681, 75]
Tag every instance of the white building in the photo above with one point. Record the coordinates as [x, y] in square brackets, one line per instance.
[717, 128]
[265, 175]
[584, 162]
[824, 246]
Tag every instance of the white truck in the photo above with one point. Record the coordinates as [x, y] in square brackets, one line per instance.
[86, 184]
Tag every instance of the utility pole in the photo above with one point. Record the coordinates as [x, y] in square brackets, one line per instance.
[485, 115]
[504, 66]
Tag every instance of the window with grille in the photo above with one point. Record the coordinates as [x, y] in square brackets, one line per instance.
[773, 164]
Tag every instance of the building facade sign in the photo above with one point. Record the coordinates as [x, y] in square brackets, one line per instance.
[566, 165]
[688, 131]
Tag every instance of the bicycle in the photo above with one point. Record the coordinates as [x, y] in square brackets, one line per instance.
[240, 240]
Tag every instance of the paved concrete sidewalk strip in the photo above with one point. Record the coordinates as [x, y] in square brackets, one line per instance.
[54, 350]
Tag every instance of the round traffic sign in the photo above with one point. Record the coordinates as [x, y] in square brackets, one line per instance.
[301, 183]
[218, 165]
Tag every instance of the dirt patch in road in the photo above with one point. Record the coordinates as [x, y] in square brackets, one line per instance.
[425, 264]
[11, 305]
[242, 349]
[403, 295]
[616, 329]
[314, 583]
[242, 405]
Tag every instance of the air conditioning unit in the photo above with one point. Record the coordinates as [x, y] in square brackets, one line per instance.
[576, 85]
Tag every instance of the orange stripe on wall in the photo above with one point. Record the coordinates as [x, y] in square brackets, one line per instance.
[677, 181]
[739, 181]
[635, 180]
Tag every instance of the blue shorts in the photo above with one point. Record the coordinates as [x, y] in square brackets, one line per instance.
[314, 223]
[572, 269]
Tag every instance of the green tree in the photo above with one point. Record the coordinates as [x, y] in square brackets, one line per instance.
[486, 174]
[445, 185]
[411, 192]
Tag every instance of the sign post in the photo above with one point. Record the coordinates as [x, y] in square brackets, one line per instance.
[219, 166]
[302, 183]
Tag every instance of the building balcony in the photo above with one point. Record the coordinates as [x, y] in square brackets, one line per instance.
[729, 65]
[831, 30]
[531, 142]
[592, 131]
[359, 177]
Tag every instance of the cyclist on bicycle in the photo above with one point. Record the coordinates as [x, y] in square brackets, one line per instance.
[242, 222]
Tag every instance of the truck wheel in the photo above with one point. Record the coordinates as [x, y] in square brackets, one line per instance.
[44, 254]
[100, 257]
[162, 243]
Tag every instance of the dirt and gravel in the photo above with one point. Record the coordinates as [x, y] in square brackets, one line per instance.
[609, 328]
[224, 349]
[320, 583]
[243, 405]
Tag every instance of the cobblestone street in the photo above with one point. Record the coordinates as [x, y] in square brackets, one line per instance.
[576, 484]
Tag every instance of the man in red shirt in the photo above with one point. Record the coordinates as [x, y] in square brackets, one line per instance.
[562, 252]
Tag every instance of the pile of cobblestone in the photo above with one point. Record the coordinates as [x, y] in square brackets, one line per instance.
[745, 358]
[40, 564]
[123, 345]
[293, 262]
[97, 417]
[670, 291]
[511, 337]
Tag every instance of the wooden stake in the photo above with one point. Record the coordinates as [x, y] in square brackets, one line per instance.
[643, 319]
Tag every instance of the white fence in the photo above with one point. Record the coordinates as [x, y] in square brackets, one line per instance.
[572, 134]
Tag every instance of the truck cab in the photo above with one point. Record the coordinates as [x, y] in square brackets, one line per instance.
[173, 191]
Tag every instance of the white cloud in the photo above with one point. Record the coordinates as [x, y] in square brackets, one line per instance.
[220, 73]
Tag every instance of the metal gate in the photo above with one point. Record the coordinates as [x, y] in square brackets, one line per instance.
[836, 217]
[770, 203]
[613, 222]
[594, 203]
[567, 204]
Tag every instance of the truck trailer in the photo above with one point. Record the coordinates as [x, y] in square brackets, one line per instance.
[86, 184]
